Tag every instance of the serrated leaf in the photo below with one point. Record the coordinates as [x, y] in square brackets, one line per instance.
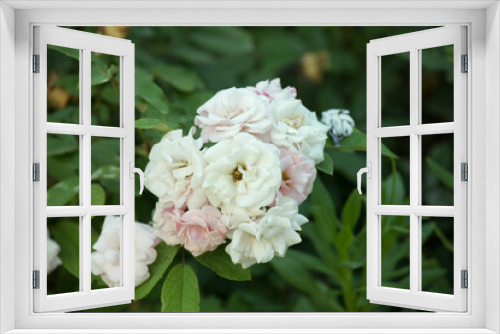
[220, 262]
[73, 53]
[151, 123]
[165, 254]
[323, 210]
[357, 142]
[67, 236]
[180, 290]
[61, 144]
[152, 94]
[223, 40]
[106, 173]
[352, 209]
[326, 166]
[441, 173]
[98, 196]
[62, 192]
[179, 77]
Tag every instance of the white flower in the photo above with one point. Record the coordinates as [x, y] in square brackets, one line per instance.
[295, 127]
[175, 170]
[259, 239]
[340, 122]
[242, 172]
[272, 90]
[230, 112]
[53, 249]
[106, 258]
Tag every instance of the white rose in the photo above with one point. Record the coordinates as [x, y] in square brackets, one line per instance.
[340, 123]
[259, 239]
[106, 258]
[230, 112]
[272, 90]
[53, 249]
[295, 127]
[175, 170]
[242, 172]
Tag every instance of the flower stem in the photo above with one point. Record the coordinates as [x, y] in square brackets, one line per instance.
[183, 256]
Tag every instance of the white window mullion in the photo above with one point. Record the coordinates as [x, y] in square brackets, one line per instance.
[414, 236]
[85, 175]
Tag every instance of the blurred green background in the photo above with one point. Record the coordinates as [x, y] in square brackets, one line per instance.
[178, 69]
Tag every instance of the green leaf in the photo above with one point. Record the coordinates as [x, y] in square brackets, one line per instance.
[323, 210]
[151, 123]
[109, 172]
[61, 144]
[62, 192]
[446, 242]
[98, 196]
[357, 142]
[180, 290]
[67, 235]
[220, 262]
[223, 40]
[73, 53]
[326, 166]
[441, 173]
[179, 77]
[99, 74]
[152, 94]
[352, 209]
[165, 254]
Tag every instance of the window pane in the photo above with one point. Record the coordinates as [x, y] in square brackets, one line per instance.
[396, 172]
[437, 254]
[437, 169]
[105, 78]
[63, 255]
[395, 89]
[437, 84]
[63, 82]
[63, 180]
[106, 251]
[105, 171]
[395, 251]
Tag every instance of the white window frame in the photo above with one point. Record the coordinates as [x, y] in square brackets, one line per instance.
[414, 43]
[483, 20]
[85, 43]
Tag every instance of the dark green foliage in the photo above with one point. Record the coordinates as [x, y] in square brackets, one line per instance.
[180, 68]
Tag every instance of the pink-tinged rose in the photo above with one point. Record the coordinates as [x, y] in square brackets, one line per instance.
[272, 90]
[230, 112]
[165, 221]
[198, 230]
[297, 176]
[201, 230]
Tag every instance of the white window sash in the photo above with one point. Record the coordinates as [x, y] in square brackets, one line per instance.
[86, 43]
[414, 297]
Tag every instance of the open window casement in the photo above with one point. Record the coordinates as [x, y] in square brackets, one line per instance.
[84, 49]
[415, 44]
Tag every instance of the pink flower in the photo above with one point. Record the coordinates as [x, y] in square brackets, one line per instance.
[298, 174]
[202, 230]
[272, 90]
[166, 219]
[198, 230]
[230, 112]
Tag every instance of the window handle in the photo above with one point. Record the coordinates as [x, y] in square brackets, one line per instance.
[141, 175]
[368, 171]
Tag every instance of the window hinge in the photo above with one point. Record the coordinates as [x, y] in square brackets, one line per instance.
[36, 63]
[36, 172]
[36, 279]
[464, 279]
[465, 64]
[464, 171]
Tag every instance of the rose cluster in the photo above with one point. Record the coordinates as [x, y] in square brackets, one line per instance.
[242, 180]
